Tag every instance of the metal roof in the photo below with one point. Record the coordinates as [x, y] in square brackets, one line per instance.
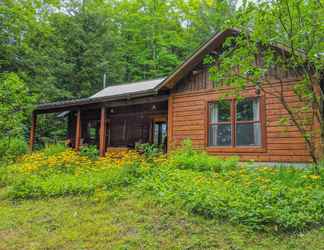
[128, 88]
[111, 93]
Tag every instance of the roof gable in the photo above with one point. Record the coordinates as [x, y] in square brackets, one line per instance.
[213, 44]
[189, 64]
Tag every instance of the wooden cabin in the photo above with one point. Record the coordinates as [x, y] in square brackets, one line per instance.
[185, 105]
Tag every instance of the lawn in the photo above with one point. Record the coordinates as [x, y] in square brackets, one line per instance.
[59, 199]
[129, 221]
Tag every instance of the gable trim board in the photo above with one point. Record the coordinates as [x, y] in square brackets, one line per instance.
[213, 43]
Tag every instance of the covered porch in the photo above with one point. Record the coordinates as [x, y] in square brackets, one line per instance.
[110, 123]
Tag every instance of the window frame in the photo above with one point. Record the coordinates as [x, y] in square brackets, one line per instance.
[230, 122]
[156, 119]
[233, 147]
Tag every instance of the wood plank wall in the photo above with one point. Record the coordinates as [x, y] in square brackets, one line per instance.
[126, 125]
[189, 120]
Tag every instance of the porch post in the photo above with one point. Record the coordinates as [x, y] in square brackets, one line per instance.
[78, 131]
[32, 131]
[170, 124]
[102, 132]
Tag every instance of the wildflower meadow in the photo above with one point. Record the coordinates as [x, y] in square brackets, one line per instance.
[261, 198]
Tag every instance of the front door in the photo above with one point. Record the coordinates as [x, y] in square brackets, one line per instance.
[160, 133]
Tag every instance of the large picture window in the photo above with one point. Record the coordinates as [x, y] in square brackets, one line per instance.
[234, 123]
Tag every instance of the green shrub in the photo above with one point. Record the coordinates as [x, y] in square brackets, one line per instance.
[127, 175]
[258, 198]
[90, 151]
[148, 150]
[12, 148]
[53, 149]
[34, 186]
[57, 181]
[188, 158]
[9, 174]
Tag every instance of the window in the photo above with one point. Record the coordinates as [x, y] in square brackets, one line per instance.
[248, 131]
[234, 123]
[159, 133]
[93, 129]
[220, 127]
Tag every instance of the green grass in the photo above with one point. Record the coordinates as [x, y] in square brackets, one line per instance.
[128, 220]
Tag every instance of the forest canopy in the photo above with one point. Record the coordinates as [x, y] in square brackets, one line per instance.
[62, 49]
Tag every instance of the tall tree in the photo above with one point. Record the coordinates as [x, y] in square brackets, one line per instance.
[16, 104]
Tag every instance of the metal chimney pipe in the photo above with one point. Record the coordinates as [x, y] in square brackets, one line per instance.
[104, 80]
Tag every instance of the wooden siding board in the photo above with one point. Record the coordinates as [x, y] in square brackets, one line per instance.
[282, 143]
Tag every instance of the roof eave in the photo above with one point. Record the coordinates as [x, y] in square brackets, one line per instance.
[88, 101]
